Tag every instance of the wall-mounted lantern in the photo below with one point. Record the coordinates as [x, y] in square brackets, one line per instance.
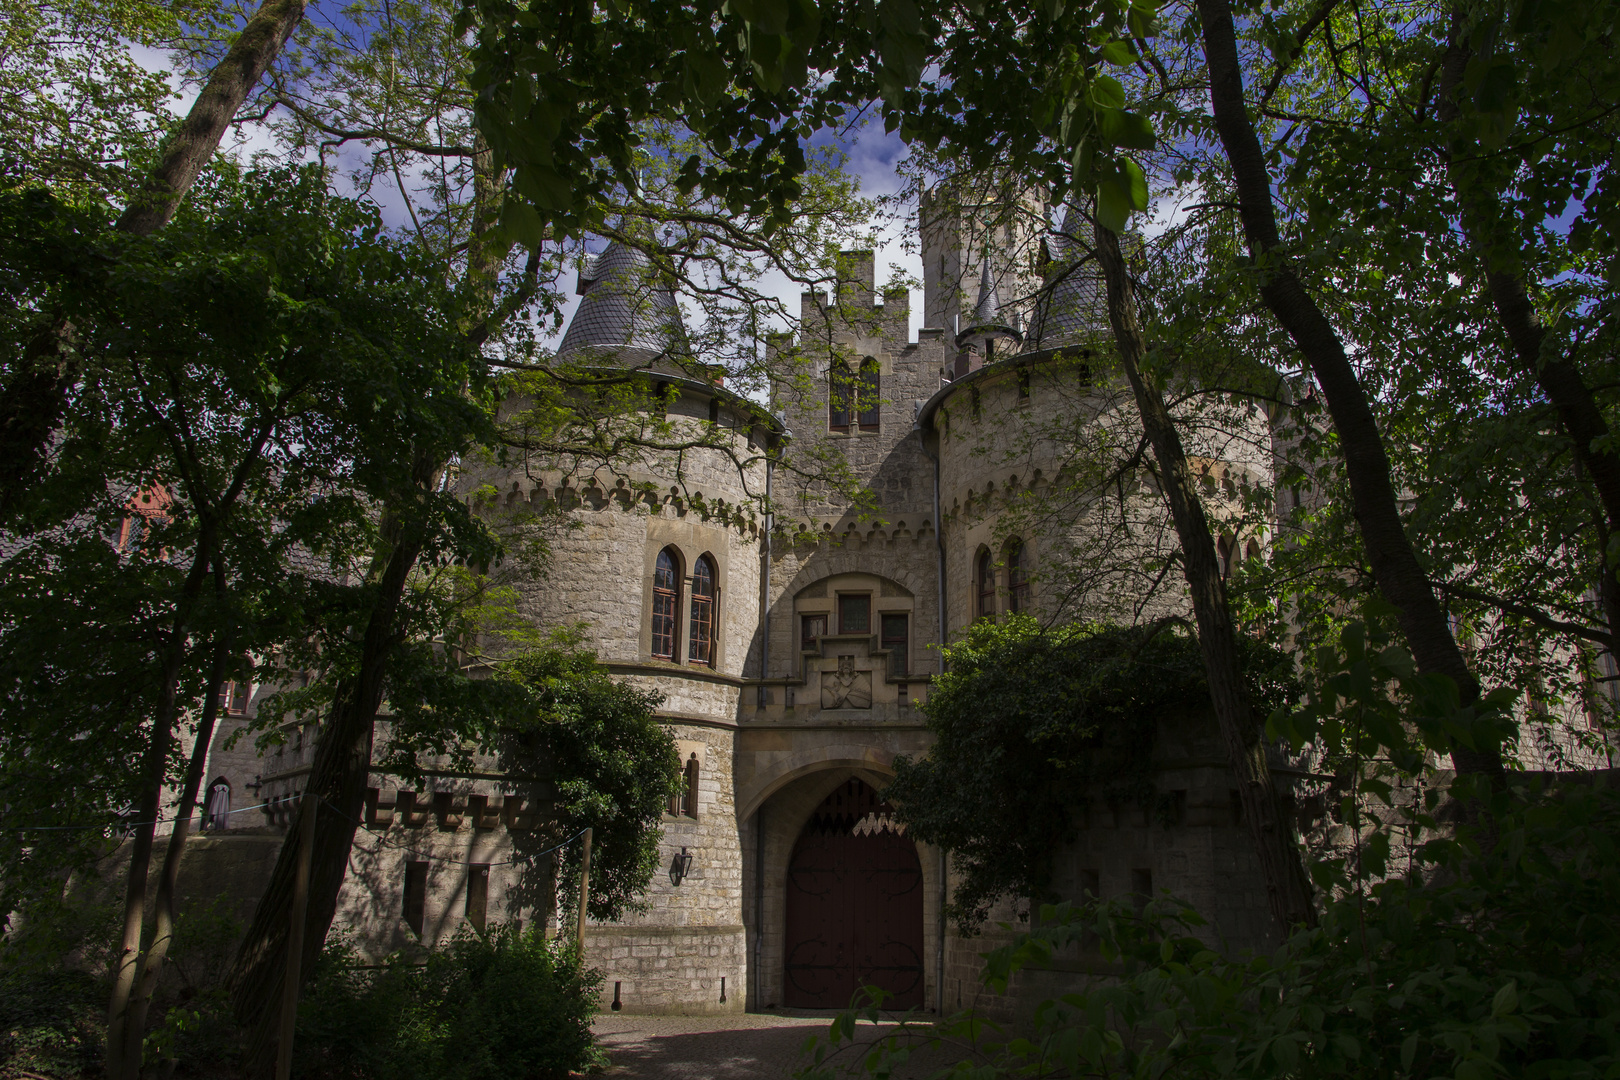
[679, 867]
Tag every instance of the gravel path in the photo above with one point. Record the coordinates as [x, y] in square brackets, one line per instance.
[747, 1046]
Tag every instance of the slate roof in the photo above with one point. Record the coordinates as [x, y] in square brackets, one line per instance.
[987, 312]
[1072, 307]
[624, 309]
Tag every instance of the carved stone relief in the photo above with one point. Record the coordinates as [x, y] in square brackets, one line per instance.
[846, 688]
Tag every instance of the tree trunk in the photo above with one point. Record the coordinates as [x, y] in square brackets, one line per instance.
[343, 753]
[229, 84]
[1286, 887]
[151, 967]
[1479, 209]
[1395, 565]
[154, 766]
[34, 401]
[338, 778]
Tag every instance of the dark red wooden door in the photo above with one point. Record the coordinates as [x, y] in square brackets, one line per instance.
[854, 906]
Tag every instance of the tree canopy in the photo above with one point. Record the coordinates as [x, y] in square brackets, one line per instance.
[1038, 726]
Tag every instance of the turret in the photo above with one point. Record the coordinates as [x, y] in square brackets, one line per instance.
[626, 313]
[1072, 306]
[988, 334]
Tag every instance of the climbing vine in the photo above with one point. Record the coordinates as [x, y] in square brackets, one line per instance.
[1033, 724]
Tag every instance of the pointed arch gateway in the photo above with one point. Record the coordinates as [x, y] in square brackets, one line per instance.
[854, 905]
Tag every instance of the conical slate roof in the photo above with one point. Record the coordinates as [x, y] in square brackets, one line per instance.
[987, 312]
[1073, 306]
[624, 309]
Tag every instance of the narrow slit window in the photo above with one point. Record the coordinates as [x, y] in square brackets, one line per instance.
[415, 910]
[689, 799]
[897, 639]
[478, 894]
[855, 613]
[700, 643]
[666, 605]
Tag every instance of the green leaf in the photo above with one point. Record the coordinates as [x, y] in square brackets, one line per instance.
[1107, 92]
[899, 16]
[523, 224]
[1506, 1000]
[1126, 130]
[1119, 52]
[1409, 1049]
[1113, 204]
[1135, 184]
[767, 16]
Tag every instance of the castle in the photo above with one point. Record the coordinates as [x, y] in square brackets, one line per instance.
[792, 654]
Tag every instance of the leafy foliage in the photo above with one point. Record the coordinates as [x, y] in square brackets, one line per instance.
[51, 1022]
[485, 1007]
[1034, 723]
[1490, 952]
[270, 371]
[614, 767]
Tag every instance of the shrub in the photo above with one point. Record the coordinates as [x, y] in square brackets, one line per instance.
[508, 1004]
[51, 1022]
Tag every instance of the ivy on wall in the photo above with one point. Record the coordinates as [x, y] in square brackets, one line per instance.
[1033, 724]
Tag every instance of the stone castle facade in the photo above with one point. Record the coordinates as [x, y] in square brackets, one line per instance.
[793, 655]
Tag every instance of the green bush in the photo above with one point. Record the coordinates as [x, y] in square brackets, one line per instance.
[51, 1022]
[508, 1005]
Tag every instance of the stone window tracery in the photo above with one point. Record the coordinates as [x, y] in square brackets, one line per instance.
[700, 643]
[666, 604]
[984, 577]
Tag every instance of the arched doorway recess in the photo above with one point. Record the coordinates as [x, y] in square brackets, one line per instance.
[854, 905]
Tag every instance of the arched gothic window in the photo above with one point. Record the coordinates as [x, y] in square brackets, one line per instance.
[870, 395]
[840, 397]
[1017, 576]
[985, 577]
[700, 643]
[666, 604]
[1224, 549]
[217, 810]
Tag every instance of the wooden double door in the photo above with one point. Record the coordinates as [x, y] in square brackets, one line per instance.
[854, 906]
